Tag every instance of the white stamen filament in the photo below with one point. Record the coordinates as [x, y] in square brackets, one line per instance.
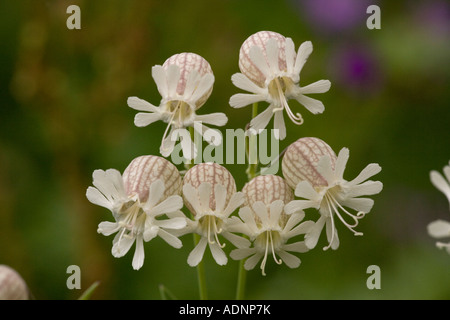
[132, 214]
[297, 118]
[170, 122]
[212, 224]
[333, 209]
[269, 238]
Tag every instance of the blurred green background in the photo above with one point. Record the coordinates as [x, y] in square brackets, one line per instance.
[64, 114]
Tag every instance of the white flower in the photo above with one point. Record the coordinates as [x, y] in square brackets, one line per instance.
[185, 82]
[322, 186]
[264, 221]
[209, 223]
[441, 229]
[210, 194]
[269, 231]
[148, 189]
[271, 72]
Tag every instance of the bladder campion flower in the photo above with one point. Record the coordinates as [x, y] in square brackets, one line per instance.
[185, 82]
[270, 70]
[440, 228]
[266, 224]
[149, 188]
[210, 195]
[311, 167]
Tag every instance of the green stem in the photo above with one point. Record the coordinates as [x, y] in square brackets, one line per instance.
[242, 279]
[251, 173]
[201, 278]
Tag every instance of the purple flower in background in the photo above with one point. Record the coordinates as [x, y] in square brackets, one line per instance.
[356, 68]
[434, 16]
[334, 16]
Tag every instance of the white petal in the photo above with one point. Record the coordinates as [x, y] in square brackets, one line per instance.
[365, 189]
[439, 182]
[196, 254]
[341, 163]
[220, 194]
[144, 119]
[358, 204]
[240, 100]
[241, 253]
[237, 241]
[312, 236]
[279, 125]
[237, 199]
[173, 223]
[300, 205]
[293, 220]
[105, 181]
[139, 254]
[330, 235]
[289, 259]
[191, 196]
[259, 60]
[272, 55]
[303, 53]
[188, 146]
[289, 50]
[167, 144]
[261, 211]
[218, 254]
[439, 229]
[96, 197]
[303, 228]
[159, 75]
[262, 120]
[244, 83]
[170, 239]
[313, 105]
[217, 119]
[141, 105]
[203, 87]
[151, 231]
[276, 209]
[107, 228]
[204, 194]
[299, 247]
[121, 245]
[248, 217]
[369, 171]
[251, 262]
[155, 193]
[173, 77]
[192, 81]
[325, 169]
[304, 189]
[320, 86]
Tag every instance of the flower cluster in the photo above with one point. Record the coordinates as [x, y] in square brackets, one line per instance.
[267, 217]
[440, 228]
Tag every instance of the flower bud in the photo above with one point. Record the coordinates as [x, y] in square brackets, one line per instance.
[300, 161]
[188, 62]
[214, 174]
[248, 67]
[12, 286]
[144, 170]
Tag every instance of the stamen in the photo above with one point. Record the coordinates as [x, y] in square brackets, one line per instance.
[332, 224]
[273, 250]
[170, 122]
[297, 118]
[217, 231]
[263, 263]
[355, 218]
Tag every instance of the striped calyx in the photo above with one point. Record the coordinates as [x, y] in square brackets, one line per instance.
[300, 161]
[212, 173]
[12, 285]
[259, 39]
[145, 170]
[267, 189]
[189, 62]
